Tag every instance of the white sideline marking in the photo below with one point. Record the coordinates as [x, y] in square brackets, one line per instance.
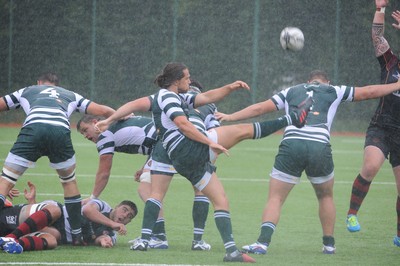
[225, 179]
[91, 264]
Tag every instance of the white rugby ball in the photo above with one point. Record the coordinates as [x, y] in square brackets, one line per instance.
[292, 38]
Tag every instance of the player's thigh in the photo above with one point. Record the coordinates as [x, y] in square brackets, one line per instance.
[25, 150]
[191, 159]
[320, 161]
[376, 150]
[60, 151]
[290, 159]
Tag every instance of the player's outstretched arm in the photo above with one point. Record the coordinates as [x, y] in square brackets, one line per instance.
[99, 110]
[215, 95]
[139, 105]
[375, 91]
[254, 110]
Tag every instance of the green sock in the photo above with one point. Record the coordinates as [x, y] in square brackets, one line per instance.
[200, 209]
[159, 229]
[151, 211]
[267, 229]
[266, 128]
[223, 222]
[328, 241]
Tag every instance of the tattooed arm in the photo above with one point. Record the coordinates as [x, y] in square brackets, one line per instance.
[378, 25]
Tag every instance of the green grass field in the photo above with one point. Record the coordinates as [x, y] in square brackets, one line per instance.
[297, 240]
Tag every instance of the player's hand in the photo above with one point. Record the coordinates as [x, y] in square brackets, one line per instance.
[101, 126]
[120, 228]
[13, 193]
[381, 3]
[138, 174]
[30, 195]
[238, 84]
[396, 16]
[217, 148]
[222, 117]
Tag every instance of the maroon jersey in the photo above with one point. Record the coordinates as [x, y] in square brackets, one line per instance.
[387, 113]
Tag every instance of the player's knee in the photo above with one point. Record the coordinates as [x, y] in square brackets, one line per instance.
[145, 177]
[67, 177]
[55, 212]
[11, 175]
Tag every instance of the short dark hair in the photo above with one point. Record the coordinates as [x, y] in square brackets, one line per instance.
[131, 204]
[170, 73]
[50, 77]
[318, 74]
[87, 119]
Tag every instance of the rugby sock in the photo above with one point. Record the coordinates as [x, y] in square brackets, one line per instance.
[30, 243]
[267, 229]
[35, 222]
[73, 206]
[159, 229]
[201, 205]
[328, 241]
[223, 222]
[398, 215]
[358, 193]
[265, 128]
[151, 211]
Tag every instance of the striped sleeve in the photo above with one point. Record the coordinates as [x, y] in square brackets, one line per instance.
[12, 100]
[82, 103]
[171, 105]
[106, 143]
[346, 93]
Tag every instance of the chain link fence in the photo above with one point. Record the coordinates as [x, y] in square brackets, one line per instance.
[111, 51]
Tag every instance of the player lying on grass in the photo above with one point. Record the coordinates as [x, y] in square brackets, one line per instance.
[44, 225]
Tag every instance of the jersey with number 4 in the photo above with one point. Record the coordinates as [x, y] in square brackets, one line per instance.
[47, 104]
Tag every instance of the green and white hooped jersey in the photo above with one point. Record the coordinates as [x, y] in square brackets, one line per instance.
[47, 104]
[166, 107]
[319, 120]
[135, 135]
[89, 229]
